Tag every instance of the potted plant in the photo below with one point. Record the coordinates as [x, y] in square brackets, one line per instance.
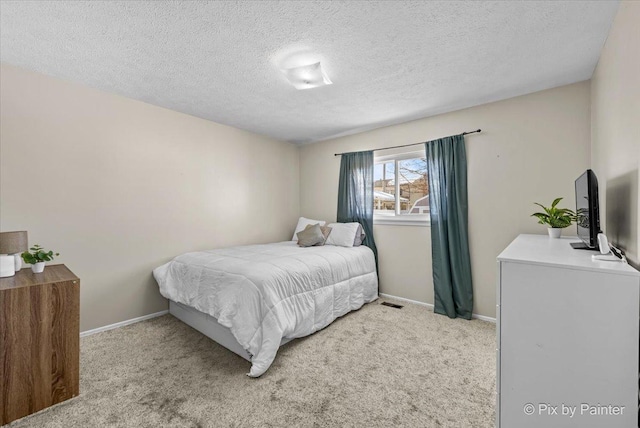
[37, 258]
[556, 218]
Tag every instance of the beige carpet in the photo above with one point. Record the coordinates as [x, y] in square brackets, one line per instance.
[376, 367]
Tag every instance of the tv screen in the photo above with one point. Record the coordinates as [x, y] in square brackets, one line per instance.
[587, 209]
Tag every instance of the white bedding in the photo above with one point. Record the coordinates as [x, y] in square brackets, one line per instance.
[263, 293]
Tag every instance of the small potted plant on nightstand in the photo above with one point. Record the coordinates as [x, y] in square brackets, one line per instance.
[556, 218]
[37, 258]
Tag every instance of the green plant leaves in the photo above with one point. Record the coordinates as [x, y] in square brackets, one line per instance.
[555, 217]
[38, 254]
[28, 258]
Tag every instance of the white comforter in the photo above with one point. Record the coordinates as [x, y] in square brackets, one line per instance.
[263, 293]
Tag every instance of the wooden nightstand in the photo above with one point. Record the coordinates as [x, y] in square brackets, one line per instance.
[39, 340]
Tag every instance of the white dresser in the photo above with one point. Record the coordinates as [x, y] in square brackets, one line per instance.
[567, 337]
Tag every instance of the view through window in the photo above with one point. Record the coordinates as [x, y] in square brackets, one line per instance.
[401, 187]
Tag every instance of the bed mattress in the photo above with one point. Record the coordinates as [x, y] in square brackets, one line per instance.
[264, 293]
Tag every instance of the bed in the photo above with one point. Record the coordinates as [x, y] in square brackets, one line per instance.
[253, 299]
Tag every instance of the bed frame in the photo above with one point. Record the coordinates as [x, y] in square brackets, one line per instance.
[210, 327]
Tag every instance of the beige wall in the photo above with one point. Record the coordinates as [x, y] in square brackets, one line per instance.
[615, 130]
[119, 187]
[532, 148]
[131, 185]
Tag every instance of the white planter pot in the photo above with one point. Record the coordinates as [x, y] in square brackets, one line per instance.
[554, 232]
[38, 267]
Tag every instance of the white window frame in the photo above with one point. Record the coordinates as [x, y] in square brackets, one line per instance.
[397, 219]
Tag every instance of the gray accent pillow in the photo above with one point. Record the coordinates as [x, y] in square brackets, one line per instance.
[360, 235]
[310, 236]
[326, 230]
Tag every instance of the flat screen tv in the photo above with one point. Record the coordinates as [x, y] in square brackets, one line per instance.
[587, 211]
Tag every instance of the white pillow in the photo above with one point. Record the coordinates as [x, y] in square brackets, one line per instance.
[302, 223]
[343, 234]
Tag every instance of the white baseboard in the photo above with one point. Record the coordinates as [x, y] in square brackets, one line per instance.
[122, 323]
[159, 314]
[429, 305]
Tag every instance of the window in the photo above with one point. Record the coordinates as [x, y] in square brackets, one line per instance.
[401, 189]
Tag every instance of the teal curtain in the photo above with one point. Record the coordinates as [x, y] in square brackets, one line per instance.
[355, 194]
[447, 172]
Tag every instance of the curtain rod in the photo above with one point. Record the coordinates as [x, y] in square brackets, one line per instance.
[412, 144]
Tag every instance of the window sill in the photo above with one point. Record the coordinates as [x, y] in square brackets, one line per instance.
[401, 221]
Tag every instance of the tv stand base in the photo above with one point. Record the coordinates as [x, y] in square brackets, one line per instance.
[582, 246]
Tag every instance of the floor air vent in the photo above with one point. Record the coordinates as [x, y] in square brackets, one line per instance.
[391, 305]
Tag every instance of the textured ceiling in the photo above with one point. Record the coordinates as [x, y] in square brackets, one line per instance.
[390, 61]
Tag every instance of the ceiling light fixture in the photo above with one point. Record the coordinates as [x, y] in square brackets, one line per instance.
[307, 76]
